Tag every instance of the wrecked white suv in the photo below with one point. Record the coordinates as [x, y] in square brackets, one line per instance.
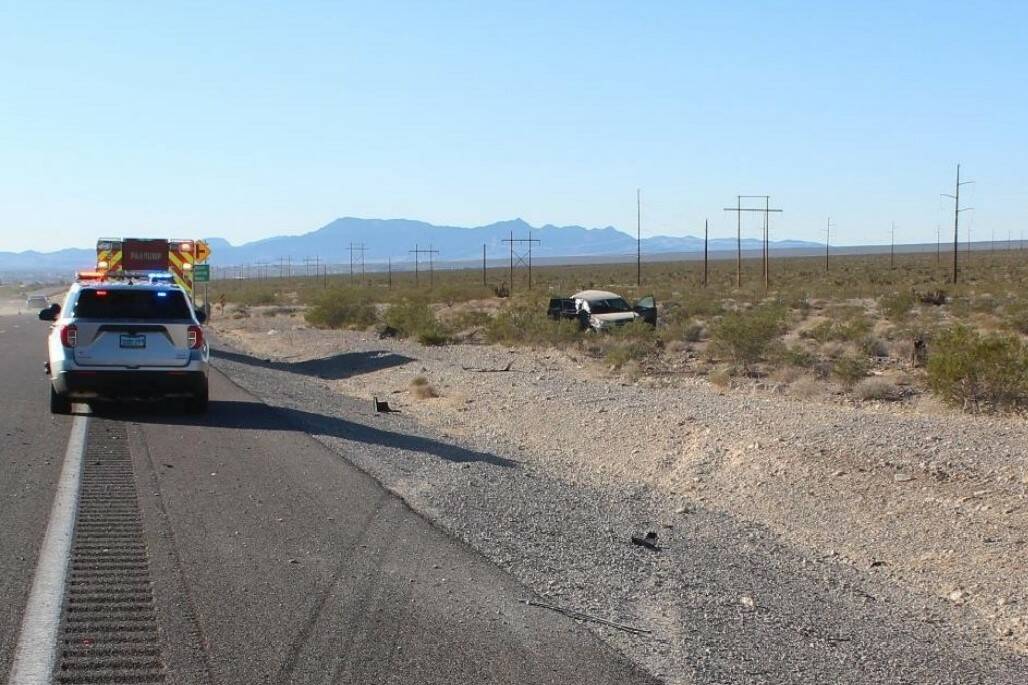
[601, 310]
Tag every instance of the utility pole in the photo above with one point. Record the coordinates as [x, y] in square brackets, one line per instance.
[417, 259]
[706, 237]
[389, 267]
[739, 209]
[520, 258]
[483, 265]
[828, 240]
[892, 247]
[956, 220]
[638, 242]
[360, 250]
[767, 244]
[938, 244]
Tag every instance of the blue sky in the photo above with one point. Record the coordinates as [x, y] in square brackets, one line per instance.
[250, 119]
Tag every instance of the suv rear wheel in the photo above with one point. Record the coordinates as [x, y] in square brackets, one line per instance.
[59, 404]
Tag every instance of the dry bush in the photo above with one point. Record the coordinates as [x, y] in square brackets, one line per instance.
[896, 306]
[422, 389]
[745, 336]
[342, 308]
[874, 347]
[787, 374]
[850, 369]
[979, 372]
[902, 349]
[414, 318]
[805, 387]
[676, 347]
[877, 389]
[721, 377]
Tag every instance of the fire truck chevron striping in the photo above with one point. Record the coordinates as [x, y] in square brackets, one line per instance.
[128, 257]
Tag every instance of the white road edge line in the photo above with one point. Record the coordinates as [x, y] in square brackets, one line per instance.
[37, 643]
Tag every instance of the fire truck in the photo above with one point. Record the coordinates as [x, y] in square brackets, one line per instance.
[140, 257]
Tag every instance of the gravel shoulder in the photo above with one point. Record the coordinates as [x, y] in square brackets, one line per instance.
[856, 543]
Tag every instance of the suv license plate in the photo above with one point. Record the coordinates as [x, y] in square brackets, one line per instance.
[133, 341]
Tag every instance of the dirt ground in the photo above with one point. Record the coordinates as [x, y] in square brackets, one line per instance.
[932, 499]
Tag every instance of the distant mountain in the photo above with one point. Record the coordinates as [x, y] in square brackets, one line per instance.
[393, 239]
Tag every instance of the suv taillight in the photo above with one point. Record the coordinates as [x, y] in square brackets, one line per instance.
[70, 335]
[195, 337]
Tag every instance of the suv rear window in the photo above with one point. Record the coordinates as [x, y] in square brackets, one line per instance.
[131, 304]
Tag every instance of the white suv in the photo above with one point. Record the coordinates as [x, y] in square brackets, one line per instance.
[114, 341]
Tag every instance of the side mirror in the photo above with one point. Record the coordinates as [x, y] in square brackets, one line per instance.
[50, 313]
[201, 315]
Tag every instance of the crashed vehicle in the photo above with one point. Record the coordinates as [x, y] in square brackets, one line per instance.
[600, 310]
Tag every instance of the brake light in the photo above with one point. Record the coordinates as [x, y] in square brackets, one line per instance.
[70, 335]
[195, 337]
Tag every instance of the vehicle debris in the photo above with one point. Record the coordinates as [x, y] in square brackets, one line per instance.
[649, 541]
[504, 369]
[588, 617]
[382, 407]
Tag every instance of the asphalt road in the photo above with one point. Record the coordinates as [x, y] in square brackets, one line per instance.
[272, 560]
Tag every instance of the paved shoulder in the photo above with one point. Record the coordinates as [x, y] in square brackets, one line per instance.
[287, 564]
[32, 444]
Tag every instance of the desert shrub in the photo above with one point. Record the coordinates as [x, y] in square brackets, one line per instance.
[702, 303]
[744, 336]
[414, 318]
[873, 347]
[786, 374]
[821, 332]
[524, 322]
[632, 342]
[721, 377]
[341, 308]
[877, 389]
[1018, 319]
[255, 296]
[634, 330]
[794, 356]
[470, 319]
[422, 389]
[621, 352]
[684, 330]
[895, 306]
[805, 387]
[850, 369]
[979, 372]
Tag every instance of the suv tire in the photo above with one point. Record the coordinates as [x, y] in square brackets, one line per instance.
[59, 404]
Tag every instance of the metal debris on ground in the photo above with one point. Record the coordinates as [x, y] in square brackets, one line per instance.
[587, 617]
[649, 541]
[504, 369]
[382, 407]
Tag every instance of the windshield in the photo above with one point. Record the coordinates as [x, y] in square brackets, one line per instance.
[132, 304]
[614, 305]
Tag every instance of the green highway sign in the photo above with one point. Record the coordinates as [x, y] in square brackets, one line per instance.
[201, 273]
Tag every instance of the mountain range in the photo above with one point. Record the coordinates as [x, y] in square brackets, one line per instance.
[393, 239]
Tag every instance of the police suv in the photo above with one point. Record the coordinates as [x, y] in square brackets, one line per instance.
[123, 341]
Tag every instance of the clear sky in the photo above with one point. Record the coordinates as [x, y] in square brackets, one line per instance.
[249, 119]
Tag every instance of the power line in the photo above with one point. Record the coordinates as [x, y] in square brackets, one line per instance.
[638, 239]
[828, 240]
[956, 221]
[739, 209]
[519, 257]
[417, 262]
[359, 249]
